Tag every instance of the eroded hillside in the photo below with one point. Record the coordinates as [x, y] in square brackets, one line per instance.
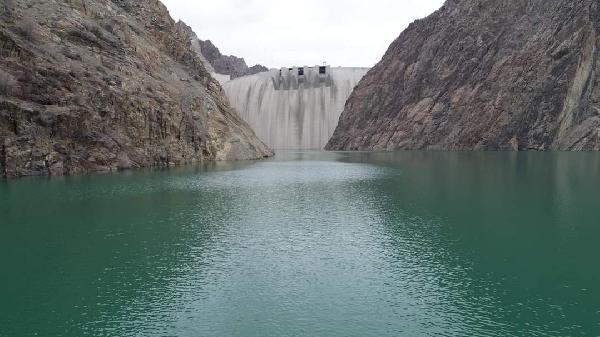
[94, 85]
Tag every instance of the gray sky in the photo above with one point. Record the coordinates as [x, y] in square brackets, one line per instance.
[281, 33]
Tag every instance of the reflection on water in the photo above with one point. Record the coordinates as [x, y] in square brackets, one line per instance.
[309, 244]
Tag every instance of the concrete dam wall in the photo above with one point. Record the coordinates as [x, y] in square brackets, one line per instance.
[294, 108]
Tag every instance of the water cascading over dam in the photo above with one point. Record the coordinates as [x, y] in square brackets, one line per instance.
[294, 108]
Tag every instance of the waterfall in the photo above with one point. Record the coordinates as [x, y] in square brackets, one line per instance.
[294, 108]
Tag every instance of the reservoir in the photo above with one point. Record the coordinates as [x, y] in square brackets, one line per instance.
[311, 244]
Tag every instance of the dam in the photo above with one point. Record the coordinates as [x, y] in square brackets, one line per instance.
[294, 108]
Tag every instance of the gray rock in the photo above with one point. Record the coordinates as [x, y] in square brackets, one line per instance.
[222, 64]
[484, 74]
[96, 86]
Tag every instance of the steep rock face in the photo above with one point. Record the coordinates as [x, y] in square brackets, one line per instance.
[222, 67]
[195, 42]
[484, 74]
[228, 65]
[100, 85]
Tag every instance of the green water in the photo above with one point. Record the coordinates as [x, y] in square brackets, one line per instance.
[309, 244]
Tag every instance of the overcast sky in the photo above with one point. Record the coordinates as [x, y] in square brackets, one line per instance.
[281, 33]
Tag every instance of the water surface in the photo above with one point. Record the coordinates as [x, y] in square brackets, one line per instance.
[309, 244]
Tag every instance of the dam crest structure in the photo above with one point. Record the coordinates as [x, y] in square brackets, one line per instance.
[295, 108]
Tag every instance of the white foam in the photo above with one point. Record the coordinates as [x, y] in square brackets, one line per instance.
[289, 111]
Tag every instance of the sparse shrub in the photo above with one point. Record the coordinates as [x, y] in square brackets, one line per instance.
[27, 28]
[92, 27]
[8, 7]
[8, 84]
[109, 28]
[72, 54]
[76, 70]
[101, 69]
[78, 4]
[78, 98]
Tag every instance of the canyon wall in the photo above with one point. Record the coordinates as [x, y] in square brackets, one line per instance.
[100, 85]
[484, 75]
[227, 64]
[223, 67]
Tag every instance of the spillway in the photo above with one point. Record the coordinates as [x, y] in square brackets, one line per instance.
[294, 108]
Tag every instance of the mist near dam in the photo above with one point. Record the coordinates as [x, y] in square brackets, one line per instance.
[294, 108]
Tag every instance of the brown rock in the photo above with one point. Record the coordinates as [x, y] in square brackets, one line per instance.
[214, 61]
[103, 85]
[484, 74]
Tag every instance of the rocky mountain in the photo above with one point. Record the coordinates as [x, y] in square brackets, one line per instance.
[214, 61]
[484, 74]
[95, 85]
[195, 42]
[222, 64]
[228, 65]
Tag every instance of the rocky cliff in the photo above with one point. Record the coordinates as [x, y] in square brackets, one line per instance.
[92, 85]
[195, 43]
[214, 61]
[228, 65]
[484, 74]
